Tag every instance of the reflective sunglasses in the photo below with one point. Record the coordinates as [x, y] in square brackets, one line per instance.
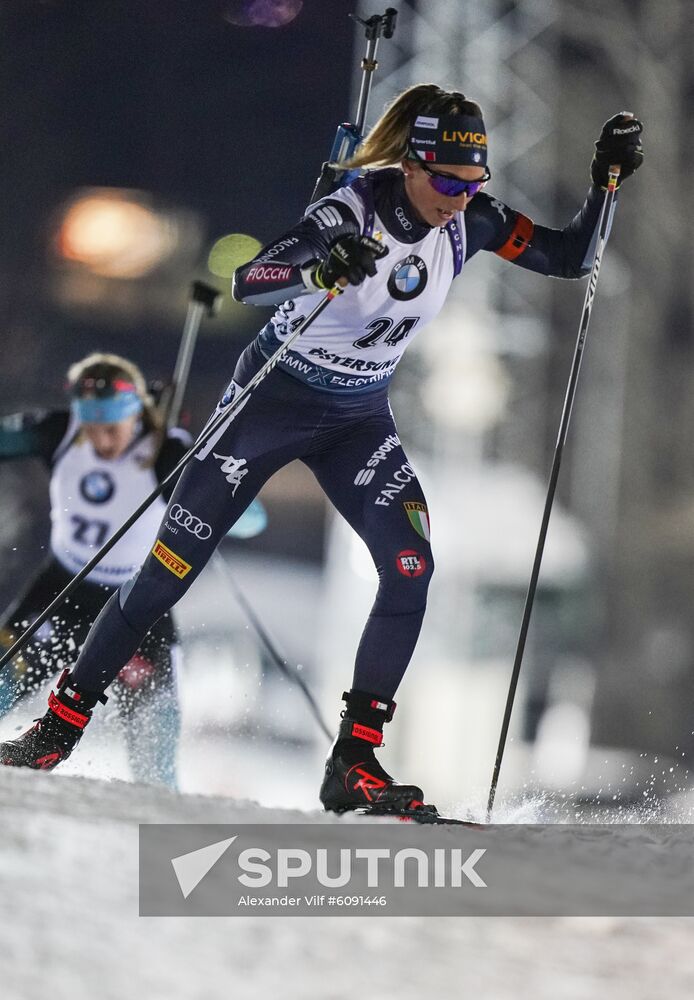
[452, 186]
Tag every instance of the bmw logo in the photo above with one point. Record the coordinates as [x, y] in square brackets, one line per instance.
[97, 487]
[408, 278]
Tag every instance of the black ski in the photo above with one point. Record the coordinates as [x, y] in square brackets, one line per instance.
[425, 815]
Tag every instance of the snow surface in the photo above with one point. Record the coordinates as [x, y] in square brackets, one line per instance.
[69, 926]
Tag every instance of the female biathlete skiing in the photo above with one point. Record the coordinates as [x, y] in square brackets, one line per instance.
[396, 238]
[105, 454]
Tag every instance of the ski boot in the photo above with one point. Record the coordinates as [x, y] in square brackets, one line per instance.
[354, 779]
[53, 738]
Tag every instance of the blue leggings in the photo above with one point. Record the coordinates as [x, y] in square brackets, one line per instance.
[351, 445]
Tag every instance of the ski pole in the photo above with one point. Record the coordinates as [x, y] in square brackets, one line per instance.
[349, 136]
[280, 662]
[215, 426]
[603, 227]
[203, 300]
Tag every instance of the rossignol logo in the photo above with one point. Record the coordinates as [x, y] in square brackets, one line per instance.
[365, 475]
[269, 272]
[179, 567]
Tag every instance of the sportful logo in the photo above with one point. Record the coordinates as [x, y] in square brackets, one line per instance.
[193, 524]
[179, 567]
[365, 475]
[233, 467]
[328, 215]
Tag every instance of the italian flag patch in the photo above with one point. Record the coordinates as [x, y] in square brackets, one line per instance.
[419, 519]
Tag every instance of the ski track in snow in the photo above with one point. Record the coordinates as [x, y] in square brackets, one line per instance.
[70, 928]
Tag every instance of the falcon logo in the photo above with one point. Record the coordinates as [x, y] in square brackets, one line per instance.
[408, 279]
[97, 487]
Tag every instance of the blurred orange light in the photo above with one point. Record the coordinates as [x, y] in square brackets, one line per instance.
[115, 235]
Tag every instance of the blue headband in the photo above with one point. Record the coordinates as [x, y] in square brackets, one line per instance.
[111, 410]
[455, 139]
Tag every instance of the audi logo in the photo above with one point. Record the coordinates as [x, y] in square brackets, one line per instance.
[190, 522]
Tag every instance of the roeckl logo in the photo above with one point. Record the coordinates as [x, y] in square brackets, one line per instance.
[465, 138]
[626, 131]
[233, 467]
[193, 524]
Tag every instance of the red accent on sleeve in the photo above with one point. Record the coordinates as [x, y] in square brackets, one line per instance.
[519, 240]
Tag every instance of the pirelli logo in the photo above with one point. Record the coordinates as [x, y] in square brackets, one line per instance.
[179, 567]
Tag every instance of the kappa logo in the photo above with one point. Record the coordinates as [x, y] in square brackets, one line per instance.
[410, 563]
[365, 475]
[167, 557]
[233, 468]
[408, 279]
[500, 207]
[193, 524]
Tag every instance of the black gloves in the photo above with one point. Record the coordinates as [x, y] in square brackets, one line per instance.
[351, 258]
[620, 143]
